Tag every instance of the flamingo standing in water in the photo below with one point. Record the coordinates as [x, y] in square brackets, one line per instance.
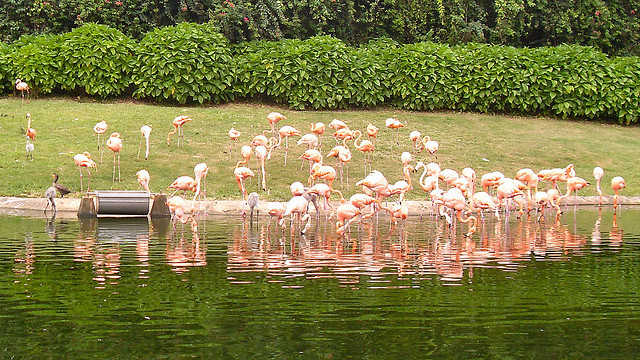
[84, 161]
[114, 143]
[22, 87]
[234, 135]
[144, 178]
[201, 171]
[345, 214]
[178, 122]
[99, 129]
[598, 173]
[393, 123]
[145, 131]
[617, 184]
[241, 174]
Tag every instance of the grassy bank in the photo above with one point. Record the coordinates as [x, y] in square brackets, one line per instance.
[485, 142]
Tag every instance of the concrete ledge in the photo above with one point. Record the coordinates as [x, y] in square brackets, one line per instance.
[234, 207]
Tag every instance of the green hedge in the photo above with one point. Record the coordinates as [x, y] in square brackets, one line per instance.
[187, 62]
[192, 63]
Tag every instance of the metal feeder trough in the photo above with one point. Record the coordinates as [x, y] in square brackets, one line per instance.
[122, 203]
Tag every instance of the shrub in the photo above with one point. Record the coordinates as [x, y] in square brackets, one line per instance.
[98, 59]
[187, 62]
[5, 74]
[37, 61]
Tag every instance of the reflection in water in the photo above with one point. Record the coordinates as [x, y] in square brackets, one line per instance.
[25, 257]
[416, 250]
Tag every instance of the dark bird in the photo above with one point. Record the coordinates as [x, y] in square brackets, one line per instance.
[52, 191]
[252, 201]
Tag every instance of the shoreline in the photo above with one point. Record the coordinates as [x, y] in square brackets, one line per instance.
[68, 207]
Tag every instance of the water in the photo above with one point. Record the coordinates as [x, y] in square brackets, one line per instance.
[133, 289]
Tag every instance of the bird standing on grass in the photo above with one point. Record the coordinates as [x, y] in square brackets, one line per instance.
[114, 143]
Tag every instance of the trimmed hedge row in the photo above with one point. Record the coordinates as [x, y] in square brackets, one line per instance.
[192, 63]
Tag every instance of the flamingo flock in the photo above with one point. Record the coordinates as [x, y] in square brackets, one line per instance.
[456, 196]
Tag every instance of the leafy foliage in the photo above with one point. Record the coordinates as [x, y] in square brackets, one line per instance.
[97, 58]
[187, 62]
[5, 76]
[37, 61]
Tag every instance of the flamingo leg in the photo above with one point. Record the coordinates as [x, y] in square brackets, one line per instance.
[139, 146]
[80, 179]
[119, 180]
[88, 180]
[113, 173]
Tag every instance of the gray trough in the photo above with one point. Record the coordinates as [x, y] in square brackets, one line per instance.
[119, 203]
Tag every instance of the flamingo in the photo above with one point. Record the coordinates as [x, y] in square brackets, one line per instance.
[367, 148]
[470, 175]
[99, 129]
[30, 133]
[184, 183]
[273, 118]
[557, 174]
[372, 132]
[323, 190]
[529, 178]
[241, 174]
[311, 140]
[574, 184]
[324, 172]
[178, 122]
[285, 133]
[345, 213]
[617, 184]
[483, 201]
[431, 146]
[598, 173]
[200, 171]
[507, 189]
[343, 154]
[449, 176]
[336, 124]
[252, 201]
[234, 135]
[297, 206]
[84, 161]
[145, 131]
[313, 156]
[144, 178]
[245, 153]
[490, 180]
[22, 87]
[345, 134]
[318, 129]
[393, 123]
[414, 136]
[453, 199]
[114, 143]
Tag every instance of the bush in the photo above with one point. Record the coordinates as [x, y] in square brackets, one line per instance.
[37, 61]
[98, 59]
[5, 74]
[187, 62]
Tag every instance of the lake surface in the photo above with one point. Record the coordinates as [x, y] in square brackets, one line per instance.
[136, 289]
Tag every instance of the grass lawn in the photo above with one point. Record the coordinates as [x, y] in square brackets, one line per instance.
[484, 142]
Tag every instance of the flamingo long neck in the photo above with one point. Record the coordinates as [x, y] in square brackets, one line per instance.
[264, 176]
[407, 175]
[422, 184]
[355, 141]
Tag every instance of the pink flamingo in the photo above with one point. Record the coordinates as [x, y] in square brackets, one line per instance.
[324, 172]
[184, 183]
[274, 118]
[114, 143]
[617, 184]
[178, 122]
[200, 171]
[22, 87]
[261, 156]
[99, 129]
[343, 154]
[145, 131]
[241, 174]
[234, 135]
[345, 213]
[431, 146]
[84, 161]
[245, 153]
[144, 178]
[313, 156]
[598, 173]
[297, 206]
[414, 136]
[336, 124]
[318, 129]
[372, 132]
[367, 149]
[393, 123]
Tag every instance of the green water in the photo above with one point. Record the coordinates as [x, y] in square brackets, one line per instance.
[133, 289]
